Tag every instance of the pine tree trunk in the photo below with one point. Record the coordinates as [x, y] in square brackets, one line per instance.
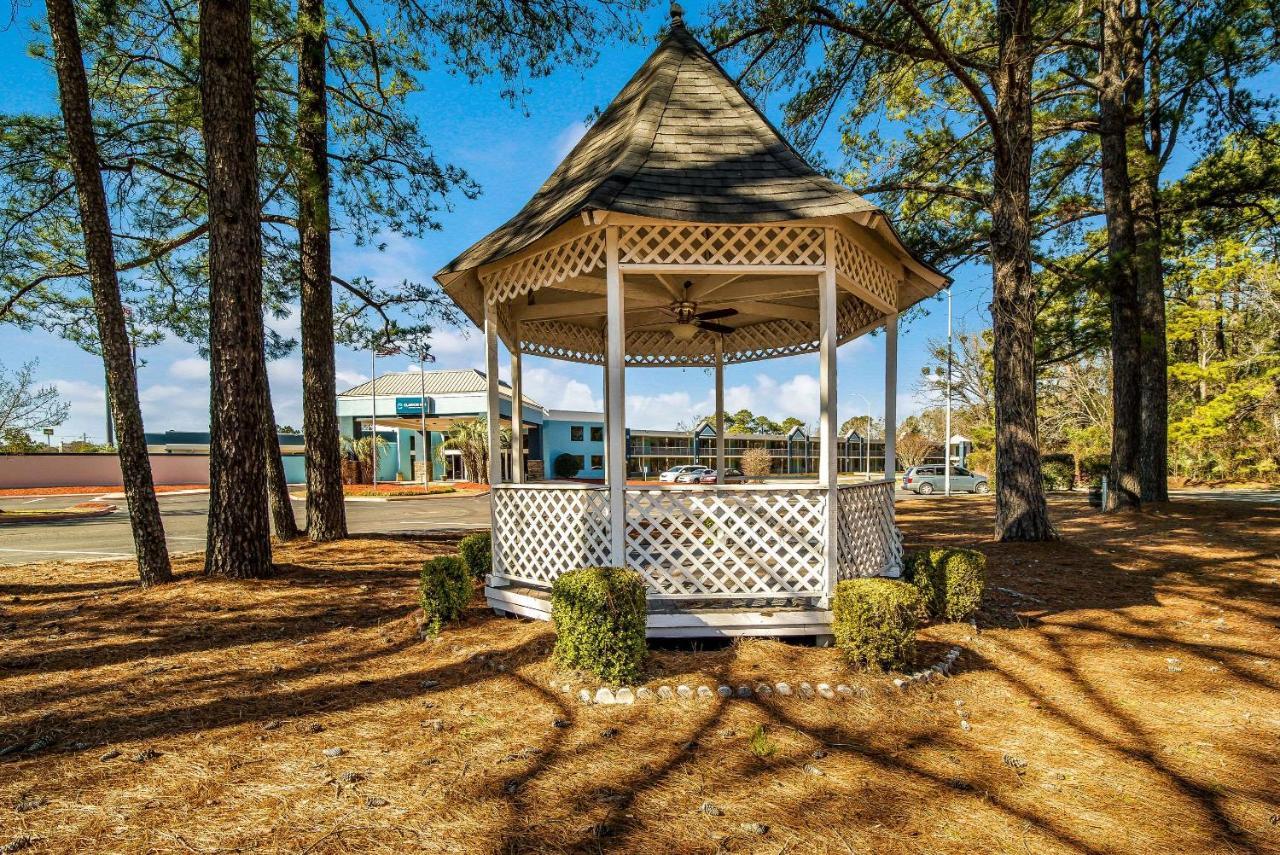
[1114, 116]
[1021, 510]
[239, 538]
[277, 485]
[326, 513]
[117, 353]
[1154, 356]
[1144, 90]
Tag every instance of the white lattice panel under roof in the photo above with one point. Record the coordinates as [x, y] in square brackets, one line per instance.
[777, 306]
[685, 243]
[857, 266]
[545, 269]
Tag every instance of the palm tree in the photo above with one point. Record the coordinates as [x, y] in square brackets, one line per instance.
[471, 440]
[363, 449]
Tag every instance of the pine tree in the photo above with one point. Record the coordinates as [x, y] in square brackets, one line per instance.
[117, 352]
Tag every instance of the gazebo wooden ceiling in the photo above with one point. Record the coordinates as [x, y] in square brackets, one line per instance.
[712, 211]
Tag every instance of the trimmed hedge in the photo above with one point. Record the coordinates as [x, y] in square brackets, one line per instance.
[599, 615]
[475, 551]
[874, 621]
[445, 590]
[1057, 475]
[928, 578]
[950, 581]
[566, 466]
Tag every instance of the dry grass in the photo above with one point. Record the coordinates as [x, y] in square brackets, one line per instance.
[1084, 738]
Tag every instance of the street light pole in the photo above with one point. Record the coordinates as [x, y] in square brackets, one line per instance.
[866, 442]
[422, 411]
[946, 440]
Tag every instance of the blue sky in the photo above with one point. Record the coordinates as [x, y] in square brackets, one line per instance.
[509, 152]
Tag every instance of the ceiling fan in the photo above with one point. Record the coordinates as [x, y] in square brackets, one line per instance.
[689, 320]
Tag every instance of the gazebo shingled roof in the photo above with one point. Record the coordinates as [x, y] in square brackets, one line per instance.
[681, 143]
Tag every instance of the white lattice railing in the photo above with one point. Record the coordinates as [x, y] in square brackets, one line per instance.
[543, 530]
[867, 541]
[753, 541]
[728, 542]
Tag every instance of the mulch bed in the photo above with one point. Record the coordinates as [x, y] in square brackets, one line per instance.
[1123, 695]
[81, 510]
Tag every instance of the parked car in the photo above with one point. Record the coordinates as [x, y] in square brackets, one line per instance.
[731, 476]
[692, 476]
[928, 479]
[675, 472]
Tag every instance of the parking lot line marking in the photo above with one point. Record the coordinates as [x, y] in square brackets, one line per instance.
[68, 552]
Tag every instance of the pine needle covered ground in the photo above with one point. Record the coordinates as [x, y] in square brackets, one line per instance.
[1122, 696]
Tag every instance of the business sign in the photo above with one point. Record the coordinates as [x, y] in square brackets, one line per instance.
[412, 407]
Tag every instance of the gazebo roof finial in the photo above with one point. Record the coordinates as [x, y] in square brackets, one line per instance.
[677, 14]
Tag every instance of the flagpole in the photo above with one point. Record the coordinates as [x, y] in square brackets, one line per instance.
[374, 440]
[946, 441]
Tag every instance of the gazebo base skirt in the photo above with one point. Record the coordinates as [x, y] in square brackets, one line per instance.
[689, 619]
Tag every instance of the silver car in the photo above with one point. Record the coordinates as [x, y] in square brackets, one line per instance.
[675, 472]
[928, 479]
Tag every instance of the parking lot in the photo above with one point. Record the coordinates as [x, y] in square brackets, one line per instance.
[184, 524]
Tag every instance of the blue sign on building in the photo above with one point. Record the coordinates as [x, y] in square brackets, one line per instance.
[411, 406]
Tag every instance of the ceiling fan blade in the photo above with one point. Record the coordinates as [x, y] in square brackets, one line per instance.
[713, 327]
[713, 314]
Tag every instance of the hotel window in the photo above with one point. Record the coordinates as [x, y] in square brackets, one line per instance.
[597, 433]
[597, 461]
[575, 433]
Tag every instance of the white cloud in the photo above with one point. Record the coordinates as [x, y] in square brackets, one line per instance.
[797, 396]
[191, 368]
[567, 139]
[558, 391]
[347, 379]
[666, 410]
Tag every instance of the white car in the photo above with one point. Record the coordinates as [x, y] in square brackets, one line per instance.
[670, 476]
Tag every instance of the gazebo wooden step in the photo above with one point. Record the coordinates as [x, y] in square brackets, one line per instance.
[676, 619]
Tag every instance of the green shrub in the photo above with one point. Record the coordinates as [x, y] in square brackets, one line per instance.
[1092, 468]
[567, 465]
[475, 551]
[599, 615]
[874, 621]
[445, 590]
[950, 581]
[928, 578]
[1057, 474]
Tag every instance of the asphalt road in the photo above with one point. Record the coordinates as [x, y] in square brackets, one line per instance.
[184, 521]
[184, 525]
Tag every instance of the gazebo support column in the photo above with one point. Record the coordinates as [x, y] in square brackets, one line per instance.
[615, 396]
[494, 418]
[890, 397]
[720, 409]
[827, 469]
[517, 413]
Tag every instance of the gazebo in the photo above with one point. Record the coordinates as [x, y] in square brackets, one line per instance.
[683, 230]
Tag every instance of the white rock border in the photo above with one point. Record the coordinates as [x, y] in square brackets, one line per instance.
[942, 668]
[626, 695]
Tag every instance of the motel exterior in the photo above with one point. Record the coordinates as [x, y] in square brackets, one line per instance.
[456, 396]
